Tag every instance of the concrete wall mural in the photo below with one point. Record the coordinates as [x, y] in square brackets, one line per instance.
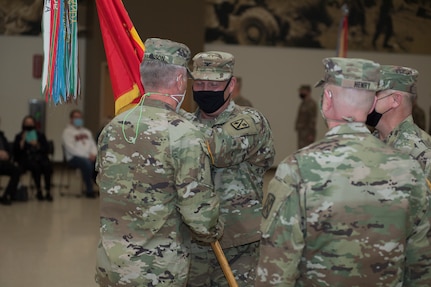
[23, 17]
[375, 25]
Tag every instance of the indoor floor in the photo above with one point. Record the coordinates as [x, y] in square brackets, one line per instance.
[50, 244]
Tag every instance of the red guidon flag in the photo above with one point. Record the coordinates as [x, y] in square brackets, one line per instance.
[124, 52]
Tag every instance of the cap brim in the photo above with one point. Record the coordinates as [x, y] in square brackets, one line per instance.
[210, 76]
[319, 83]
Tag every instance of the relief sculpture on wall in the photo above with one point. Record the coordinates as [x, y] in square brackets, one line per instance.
[375, 25]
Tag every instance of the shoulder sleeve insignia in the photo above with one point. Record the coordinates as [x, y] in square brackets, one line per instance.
[240, 124]
[269, 202]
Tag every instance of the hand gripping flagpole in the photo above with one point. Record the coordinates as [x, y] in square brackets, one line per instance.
[224, 264]
[218, 251]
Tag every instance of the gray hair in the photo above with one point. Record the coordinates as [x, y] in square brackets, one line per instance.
[354, 99]
[157, 75]
[410, 97]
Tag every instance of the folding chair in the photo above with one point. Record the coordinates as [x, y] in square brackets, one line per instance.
[65, 175]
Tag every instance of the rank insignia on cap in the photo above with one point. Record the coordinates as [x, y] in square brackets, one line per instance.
[240, 124]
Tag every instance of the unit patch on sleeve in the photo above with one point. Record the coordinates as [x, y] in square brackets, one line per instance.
[269, 202]
[240, 124]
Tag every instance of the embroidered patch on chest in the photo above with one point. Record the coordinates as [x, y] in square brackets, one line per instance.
[240, 124]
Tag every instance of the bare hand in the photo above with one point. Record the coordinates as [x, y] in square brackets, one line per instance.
[4, 155]
[92, 157]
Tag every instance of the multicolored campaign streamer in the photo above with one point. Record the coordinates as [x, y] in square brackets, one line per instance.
[60, 75]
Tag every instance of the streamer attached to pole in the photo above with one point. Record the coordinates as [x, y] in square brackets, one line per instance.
[60, 75]
[343, 33]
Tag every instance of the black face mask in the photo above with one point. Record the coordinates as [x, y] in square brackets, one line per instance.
[373, 118]
[302, 95]
[28, 128]
[210, 101]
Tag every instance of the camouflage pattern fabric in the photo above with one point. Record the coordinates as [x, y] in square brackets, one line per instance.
[351, 73]
[399, 78]
[305, 124]
[242, 149]
[239, 258]
[152, 195]
[346, 211]
[410, 139]
[167, 51]
[213, 66]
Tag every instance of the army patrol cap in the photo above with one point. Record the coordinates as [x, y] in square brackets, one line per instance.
[398, 78]
[351, 73]
[167, 51]
[213, 66]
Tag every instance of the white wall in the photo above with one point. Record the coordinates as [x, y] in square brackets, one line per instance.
[17, 87]
[271, 77]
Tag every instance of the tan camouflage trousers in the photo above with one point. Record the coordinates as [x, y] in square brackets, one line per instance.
[205, 270]
[105, 282]
[168, 269]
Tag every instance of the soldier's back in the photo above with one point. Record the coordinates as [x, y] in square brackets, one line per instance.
[142, 159]
[362, 202]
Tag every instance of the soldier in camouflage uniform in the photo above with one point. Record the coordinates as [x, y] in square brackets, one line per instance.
[392, 115]
[305, 124]
[347, 210]
[242, 150]
[155, 181]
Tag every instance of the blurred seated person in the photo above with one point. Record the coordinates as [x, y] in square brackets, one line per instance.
[80, 150]
[8, 168]
[31, 152]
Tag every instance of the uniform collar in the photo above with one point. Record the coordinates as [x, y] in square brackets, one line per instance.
[349, 128]
[157, 104]
[404, 125]
[222, 117]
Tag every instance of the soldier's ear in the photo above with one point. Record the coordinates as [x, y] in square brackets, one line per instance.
[232, 84]
[397, 99]
[327, 94]
[373, 105]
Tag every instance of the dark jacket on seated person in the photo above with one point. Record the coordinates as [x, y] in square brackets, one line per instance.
[8, 168]
[31, 152]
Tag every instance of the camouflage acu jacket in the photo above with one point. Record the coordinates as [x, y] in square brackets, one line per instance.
[242, 150]
[409, 138]
[346, 211]
[153, 192]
